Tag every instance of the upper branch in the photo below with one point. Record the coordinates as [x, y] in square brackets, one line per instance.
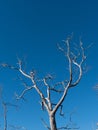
[48, 93]
[71, 60]
[70, 79]
[23, 92]
[30, 76]
[79, 65]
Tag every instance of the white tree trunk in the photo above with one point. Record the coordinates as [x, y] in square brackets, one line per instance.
[52, 122]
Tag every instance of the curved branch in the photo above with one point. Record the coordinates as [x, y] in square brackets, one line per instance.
[23, 92]
[71, 61]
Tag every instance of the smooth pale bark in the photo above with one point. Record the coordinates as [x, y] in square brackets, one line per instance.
[52, 122]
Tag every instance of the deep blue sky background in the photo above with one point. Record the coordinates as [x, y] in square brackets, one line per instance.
[31, 29]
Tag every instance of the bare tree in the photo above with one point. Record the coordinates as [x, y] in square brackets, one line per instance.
[4, 109]
[5, 106]
[75, 60]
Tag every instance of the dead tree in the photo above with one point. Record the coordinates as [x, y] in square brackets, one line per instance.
[5, 106]
[75, 61]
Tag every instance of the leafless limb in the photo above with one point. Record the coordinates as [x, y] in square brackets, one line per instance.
[23, 92]
[61, 109]
[67, 128]
[17, 127]
[60, 90]
[5, 106]
[5, 115]
[5, 109]
[70, 125]
[45, 124]
[78, 65]
[56, 90]
[9, 66]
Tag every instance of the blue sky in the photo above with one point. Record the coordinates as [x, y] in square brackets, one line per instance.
[31, 30]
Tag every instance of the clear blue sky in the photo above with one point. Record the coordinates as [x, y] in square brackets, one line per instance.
[31, 29]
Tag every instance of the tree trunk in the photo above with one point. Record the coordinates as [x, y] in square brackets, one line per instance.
[52, 122]
[5, 116]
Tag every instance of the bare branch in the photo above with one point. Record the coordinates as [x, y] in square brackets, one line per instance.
[48, 93]
[70, 125]
[31, 77]
[60, 90]
[23, 92]
[9, 66]
[25, 74]
[70, 80]
[17, 127]
[68, 128]
[79, 65]
[56, 90]
[45, 124]
[61, 49]
[5, 115]
[70, 62]
[24, 83]
[61, 109]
